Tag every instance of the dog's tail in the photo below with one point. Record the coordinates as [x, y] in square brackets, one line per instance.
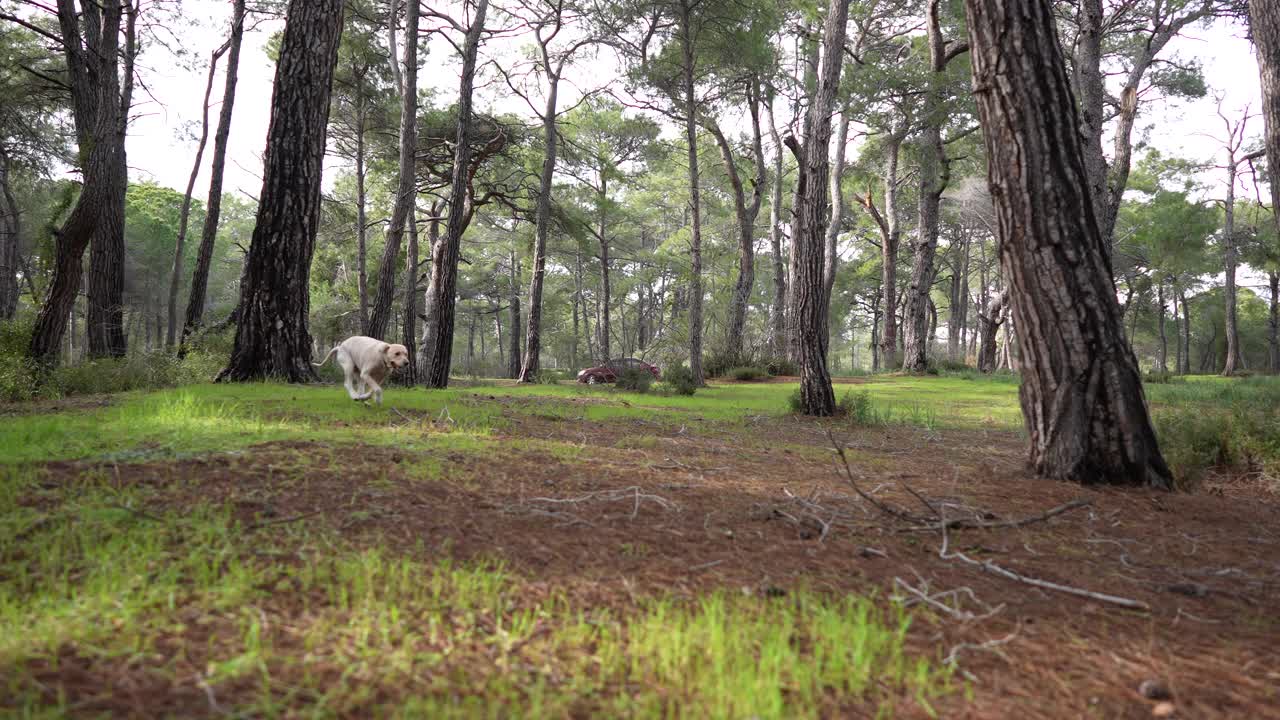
[326, 357]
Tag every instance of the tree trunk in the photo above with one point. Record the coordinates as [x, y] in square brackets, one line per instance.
[604, 324]
[1177, 331]
[430, 308]
[272, 340]
[513, 357]
[185, 214]
[816, 395]
[542, 225]
[837, 208]
[695, 195]
[1231, 261]
[1273, 322]
[890, 238]
[362, 220]
[106, 249]
[94, 71]
[988, 325]
[213, 207]
[405, 189]
[440, 341]
[1162, 361]
[745, 212]
[934, 175]
[1091, 90]
[409, 323]
[1264, 22]
[10, 227]
[1186, 334]
[1081, 393]
[778, 311]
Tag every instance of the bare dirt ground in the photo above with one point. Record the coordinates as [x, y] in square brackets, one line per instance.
[766, 508]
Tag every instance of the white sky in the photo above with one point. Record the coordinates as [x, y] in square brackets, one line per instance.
[156, 152]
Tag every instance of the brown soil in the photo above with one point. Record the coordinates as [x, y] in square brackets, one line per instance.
[764, 509]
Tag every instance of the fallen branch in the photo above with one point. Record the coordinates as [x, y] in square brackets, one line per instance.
[995, 569]
[848, 472]
[961, 523]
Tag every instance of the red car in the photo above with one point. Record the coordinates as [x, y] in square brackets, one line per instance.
[610, 371]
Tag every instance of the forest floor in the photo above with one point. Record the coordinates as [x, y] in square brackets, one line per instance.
[559, 551]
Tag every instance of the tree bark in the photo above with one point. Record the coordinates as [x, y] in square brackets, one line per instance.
[213, 207]
[890, 238]
[405, 188]
[91, 45]
[1081, 393]
[778, 311]
[272, 340]
[105, 322]
[604, 324]
[1186, 333]
[816, 394]
[1091, 90]
[695, 193]
[362, 219]
[438, 345]
[934, 176]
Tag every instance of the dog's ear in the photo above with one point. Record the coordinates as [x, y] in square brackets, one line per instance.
[386, 347]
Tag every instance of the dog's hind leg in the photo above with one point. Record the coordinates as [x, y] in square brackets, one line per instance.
[349, 374]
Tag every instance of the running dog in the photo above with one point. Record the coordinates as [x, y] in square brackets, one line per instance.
[369, 360]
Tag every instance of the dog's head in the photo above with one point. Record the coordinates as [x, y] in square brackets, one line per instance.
[396, 355]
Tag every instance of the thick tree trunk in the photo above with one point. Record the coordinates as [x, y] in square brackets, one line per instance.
[409, 322]
[92, 57]
[837, 208]
[816, 395]
[272, 340]
[778, 311]
[1091, 91]
[542, 226]
[1264, 22]
[745, 212]
[405, 189]
[185, 215]
[1081, 393]
[213, 207]
[934, 176]
[106, 250]
[695, 194]
[440, 340]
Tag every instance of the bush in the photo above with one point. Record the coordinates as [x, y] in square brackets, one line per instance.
[781, 366]
[679, 379]
[1155, 377]
[857, 408]
[747, 374]
[634, 380]
[719, 363]
[950, 366]
[795, 401]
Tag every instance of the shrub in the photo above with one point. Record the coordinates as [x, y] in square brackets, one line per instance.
[679, 379]
[950, 366]
[781, 366]
[635, 380]
[719, 363]
[795, 401]
[1155, 377]
[748, 374]
[857, 408]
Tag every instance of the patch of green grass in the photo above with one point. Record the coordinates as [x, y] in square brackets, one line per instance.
[95, 572]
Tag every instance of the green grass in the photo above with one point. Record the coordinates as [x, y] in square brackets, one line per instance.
[365, 632]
